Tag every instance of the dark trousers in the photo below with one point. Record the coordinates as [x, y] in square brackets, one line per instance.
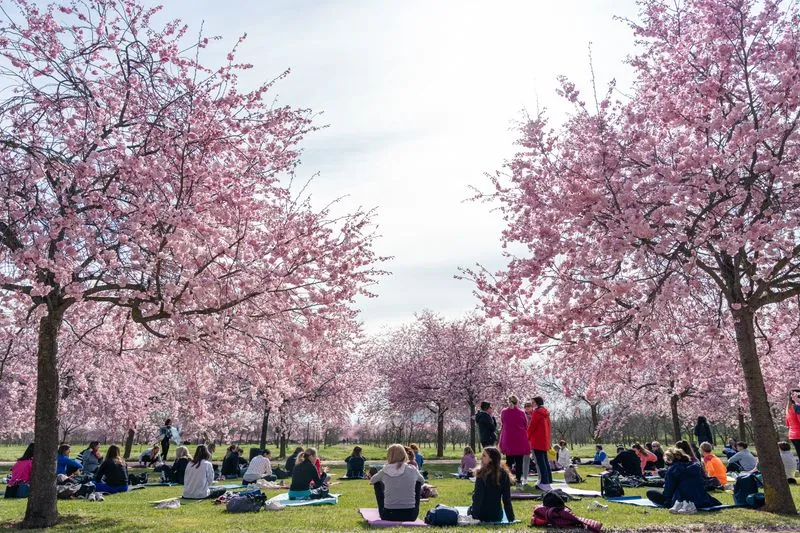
[280, 473]
[164, 449]
[734, 467]
[397, 515]
[543, 467]
[515, 461]
[657, 497]
[796, 443]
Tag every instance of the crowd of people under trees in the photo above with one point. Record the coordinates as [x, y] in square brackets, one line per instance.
[523, 435]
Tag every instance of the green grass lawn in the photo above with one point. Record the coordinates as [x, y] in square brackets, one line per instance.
[132, 512]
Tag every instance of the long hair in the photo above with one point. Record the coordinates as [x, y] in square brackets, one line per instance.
[199, 455]
[28, 453]
[684, 446]
[62, 450]
[396, 454]
[679, 456]
[113, 453]
[357, 451]
[494, 468]
[308, 454]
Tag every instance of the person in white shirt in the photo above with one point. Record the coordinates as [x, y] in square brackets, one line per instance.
[260, 467]
[199, 476]
[789, 462]
[564, 458]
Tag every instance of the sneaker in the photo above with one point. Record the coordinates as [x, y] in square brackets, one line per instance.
[273, 506]
[677, 507]
[543, 486]
[596, 505]
[688, 508]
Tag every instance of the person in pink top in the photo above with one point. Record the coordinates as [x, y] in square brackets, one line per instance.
[793, 419]
[514, 435]
[21, 475]
[645, 455]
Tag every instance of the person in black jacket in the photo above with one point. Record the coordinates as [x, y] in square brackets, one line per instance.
[702, 431]
[112, 476]
[230, 464]
[487, 425]
[492, 487]
[292, 460]
[178, 469]
[355, 463]
[659, 452]
[303, 475]
[627, 463]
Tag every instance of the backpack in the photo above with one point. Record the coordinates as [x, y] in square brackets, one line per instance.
[137, 479]
[555, 498]
[571, 475]
[610, 486]
[441, 515]
[428, 491]
[246, 503]
[319, 493]
[745, 486]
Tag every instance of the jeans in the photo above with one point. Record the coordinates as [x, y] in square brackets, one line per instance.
[543, 467]
[526, 467]
[110, 489]
[397, 515]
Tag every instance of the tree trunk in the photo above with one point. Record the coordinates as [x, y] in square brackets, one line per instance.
[472, 438]
[440, 432]
[595, 422]
[776, 487]
[676, 420]
[264, 427]
[283, 445]
[42, 510]
[742, 427]
[129, 443]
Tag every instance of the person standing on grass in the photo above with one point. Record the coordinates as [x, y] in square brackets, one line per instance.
[793, 419]
[199, 476]
[397, 487]
[514, 435]
[165, 434]
[487, 425]
[540, 438]
[112, 476]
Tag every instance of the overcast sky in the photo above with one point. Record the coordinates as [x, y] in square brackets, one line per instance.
[420, 98]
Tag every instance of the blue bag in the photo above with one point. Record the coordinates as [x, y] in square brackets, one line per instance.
[441, 515]
[745, 486]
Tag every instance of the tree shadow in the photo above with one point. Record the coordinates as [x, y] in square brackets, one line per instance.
[74, 523]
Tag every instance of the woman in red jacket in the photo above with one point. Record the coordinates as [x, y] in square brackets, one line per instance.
[539, 435]
[793, 419]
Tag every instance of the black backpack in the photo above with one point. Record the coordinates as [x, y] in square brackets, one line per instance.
[610, 486]
[555, 498]
[441, 515]
[745, 485]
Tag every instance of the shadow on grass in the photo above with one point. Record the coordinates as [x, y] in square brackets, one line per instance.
[74, 523]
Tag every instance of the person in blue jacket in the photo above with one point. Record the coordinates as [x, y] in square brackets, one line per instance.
[65, 465]
[599, 455]
[684, 485]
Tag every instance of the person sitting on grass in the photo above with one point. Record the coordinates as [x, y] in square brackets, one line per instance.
[65, 464]
[730, 448]
[90, 458]
[199, 476]
[659, 453]
[397, 487]
[789, 462]
[291, 461]
[177, 472]
[150, 456]
[686, 448]
[742, 460]
[112, 475]
[305, 476]
[410, 458]
[600, 455]
[20, 481]
[564, 458]
[627, 463]
[645, 456]
[712, 464]
[684, 486]
[355, 463]
[492, 491]
[260, 468]
[468, 462]
[230, 464]
[417, 456]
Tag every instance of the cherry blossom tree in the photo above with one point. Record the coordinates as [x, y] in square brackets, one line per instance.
[135, 177]
[690, 184]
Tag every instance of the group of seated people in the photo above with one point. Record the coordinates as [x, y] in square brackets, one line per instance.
[398, 485]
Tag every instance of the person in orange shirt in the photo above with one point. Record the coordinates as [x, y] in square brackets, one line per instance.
[712, 464]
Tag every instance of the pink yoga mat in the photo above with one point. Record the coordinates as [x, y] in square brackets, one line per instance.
[374, 520]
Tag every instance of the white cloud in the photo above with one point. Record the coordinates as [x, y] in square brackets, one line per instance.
[420, 98]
